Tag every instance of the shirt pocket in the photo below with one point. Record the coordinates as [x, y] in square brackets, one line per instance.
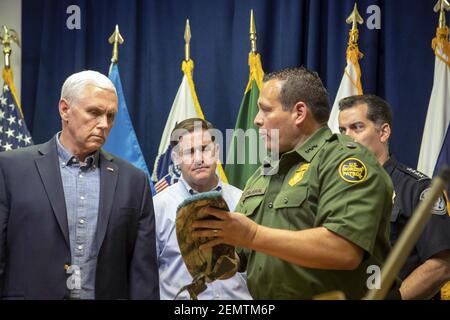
[250, 204]
[290, 199]
[291, 211]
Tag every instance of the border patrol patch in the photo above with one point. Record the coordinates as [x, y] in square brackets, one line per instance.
[353, 170]
[440, 206]
[298, 175]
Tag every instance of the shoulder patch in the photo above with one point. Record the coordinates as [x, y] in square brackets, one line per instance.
[353, 170]
[440, 206]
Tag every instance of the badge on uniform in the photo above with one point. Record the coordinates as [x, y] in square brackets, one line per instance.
[440, 207]
[353, 170]
[298, 174]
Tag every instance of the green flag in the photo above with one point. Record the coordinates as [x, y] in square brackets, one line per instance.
[243, 156]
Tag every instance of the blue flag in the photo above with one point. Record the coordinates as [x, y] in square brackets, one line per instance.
[122, 140]
[13, 130]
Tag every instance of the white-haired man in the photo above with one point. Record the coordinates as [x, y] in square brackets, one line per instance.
[76, 222]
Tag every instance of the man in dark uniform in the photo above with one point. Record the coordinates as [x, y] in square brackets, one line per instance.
[368, 120]
[320, 219]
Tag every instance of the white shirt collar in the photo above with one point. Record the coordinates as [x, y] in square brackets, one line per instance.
[191, 191]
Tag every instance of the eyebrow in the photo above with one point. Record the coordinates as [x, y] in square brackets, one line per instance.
[262, 105]
[99, 108]
[95, 107]
[200, 146]
[355, 123]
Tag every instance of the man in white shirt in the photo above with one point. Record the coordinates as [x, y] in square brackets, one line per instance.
[196, 155]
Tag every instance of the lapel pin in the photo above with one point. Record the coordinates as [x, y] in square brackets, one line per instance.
[110, 169]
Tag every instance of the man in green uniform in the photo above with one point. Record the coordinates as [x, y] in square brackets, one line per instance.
[315, 220]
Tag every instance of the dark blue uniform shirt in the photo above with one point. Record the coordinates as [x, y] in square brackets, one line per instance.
[410, 187]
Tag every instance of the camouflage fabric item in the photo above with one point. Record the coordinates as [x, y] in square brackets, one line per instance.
[204, 266]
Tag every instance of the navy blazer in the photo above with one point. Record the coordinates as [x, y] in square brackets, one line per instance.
[34, 234]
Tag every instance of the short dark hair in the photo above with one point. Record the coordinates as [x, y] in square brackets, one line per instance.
[301, 84]
[187, 126]
[378, 110]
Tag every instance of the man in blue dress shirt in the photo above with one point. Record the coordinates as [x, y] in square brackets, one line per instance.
[196, 154]
[75, 221]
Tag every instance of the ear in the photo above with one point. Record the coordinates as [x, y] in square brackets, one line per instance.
[299, 112]
[175, 156]
[64, 109]
[216, 151]
[385, 132]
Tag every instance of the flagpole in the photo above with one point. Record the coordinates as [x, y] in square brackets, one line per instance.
[8, 36]
[188, 67]
[254, 59]
[239, 173]
[22, 137]
[351, 79]
[441, 48]
[122, 139]
[253, 36]
[442, 6]
[115, 39]
[437, 120]
[441, 40]
[353, 53]
[187, 41]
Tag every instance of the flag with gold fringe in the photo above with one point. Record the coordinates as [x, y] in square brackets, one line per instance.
[351, 80]
[14, 133]
[243, 157]
[435, 147]
[241, 161]
[438, 115]
[186, 105]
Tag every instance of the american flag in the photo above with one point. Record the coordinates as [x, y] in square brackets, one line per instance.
[13, 130]
[162, 184]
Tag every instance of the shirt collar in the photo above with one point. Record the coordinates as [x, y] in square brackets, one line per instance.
[390, 165]
[310, 147]
[68, 159]
[306, 151]
[191, 191]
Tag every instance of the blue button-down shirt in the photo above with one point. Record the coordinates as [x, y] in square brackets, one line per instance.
[81, 183]
[173, 274]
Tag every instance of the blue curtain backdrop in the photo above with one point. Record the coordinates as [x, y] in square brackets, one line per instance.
[398, 63]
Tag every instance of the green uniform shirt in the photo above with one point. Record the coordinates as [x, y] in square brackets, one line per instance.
[331, 182]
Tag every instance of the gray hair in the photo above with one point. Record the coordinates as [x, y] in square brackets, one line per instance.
[74, 84]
